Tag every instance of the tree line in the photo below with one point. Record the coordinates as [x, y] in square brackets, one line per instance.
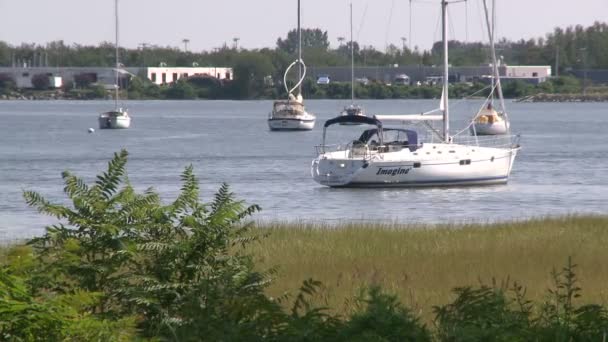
[572, 48]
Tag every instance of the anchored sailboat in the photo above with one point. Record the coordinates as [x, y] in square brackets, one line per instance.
[290, 114]
[396, 152]
[488, 120]
[352, 109]
[119, 117]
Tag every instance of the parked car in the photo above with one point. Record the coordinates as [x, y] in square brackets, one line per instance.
[362, 80]
[323, 79]
[402, 79]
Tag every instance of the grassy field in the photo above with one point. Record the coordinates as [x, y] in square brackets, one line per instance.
[422, 264]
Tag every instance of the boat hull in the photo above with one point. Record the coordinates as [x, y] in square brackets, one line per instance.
[496, 128]
[117, 122]
[291, 124]
[467, 166]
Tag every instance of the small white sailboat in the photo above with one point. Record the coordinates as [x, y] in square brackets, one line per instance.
[489, 121]
[352, 109]
[290, 114]
[119, 117]
[395, 152]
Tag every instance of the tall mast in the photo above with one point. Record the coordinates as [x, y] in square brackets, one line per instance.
[494, 61]
[446, 113]
[299, 51]
[116, 54]
[352, 59]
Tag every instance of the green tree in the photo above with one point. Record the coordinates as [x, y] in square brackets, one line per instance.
[180, 266]
[7, 83]
[311, 38]
[249, 72]
[41, 82]
[180, 90]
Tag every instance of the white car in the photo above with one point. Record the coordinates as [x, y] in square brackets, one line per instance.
[323, 79]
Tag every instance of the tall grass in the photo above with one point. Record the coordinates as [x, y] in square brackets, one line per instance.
[421, 264]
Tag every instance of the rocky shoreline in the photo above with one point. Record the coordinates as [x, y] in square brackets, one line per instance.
[564, 98]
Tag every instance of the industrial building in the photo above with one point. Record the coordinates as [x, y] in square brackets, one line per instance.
[59, 76]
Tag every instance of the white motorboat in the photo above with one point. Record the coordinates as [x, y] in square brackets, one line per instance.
[396, 152]
[118, 118]
[290, 114]
[352, 109]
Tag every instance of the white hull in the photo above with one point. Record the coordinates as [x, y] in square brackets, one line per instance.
[430, 165]
[294, 123]
[496, 128]
[114, 122]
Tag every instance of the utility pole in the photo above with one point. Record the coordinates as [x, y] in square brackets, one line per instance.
[556, 59]
[410, 34]
[584, 60]
[185, 41]
[143, 53]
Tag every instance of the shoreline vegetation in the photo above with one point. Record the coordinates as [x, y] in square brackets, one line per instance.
[561, 89]
[422, 264]
[577, 53]
[124, 266]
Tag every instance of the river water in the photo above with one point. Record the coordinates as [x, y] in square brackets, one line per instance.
[561, 169]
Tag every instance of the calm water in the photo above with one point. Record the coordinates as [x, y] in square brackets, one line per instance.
[561, 169]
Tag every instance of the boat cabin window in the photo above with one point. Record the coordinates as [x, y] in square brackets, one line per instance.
[280, 106]
[394, 139]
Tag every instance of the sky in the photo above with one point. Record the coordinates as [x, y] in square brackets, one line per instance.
[209, 24]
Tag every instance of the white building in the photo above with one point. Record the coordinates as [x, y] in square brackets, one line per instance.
[527, 71]
[166, 75]
[107, 76]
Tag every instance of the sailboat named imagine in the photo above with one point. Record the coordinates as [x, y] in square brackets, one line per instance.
[417, 154]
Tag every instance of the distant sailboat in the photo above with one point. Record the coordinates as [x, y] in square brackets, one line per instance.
[352, 109]
[119, 117]
[290, 114]
[488, 120]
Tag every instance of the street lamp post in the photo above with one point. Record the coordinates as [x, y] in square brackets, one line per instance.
[584, 60]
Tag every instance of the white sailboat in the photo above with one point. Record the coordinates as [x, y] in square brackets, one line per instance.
[488, 120]
[118, 117]
[352, 109]
[290, 114]
[402, 156]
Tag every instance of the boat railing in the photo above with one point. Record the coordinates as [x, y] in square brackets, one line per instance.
[496, 141]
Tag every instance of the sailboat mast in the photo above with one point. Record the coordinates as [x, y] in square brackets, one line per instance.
[352, 59]
[494, 61]
[116, 54]
[446, 113]
[299, 51]
[493, 29]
